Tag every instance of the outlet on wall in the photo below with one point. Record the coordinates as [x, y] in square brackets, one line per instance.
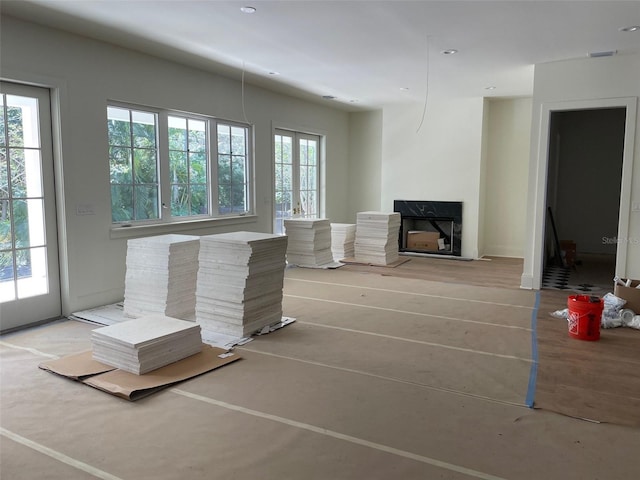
[85, 209]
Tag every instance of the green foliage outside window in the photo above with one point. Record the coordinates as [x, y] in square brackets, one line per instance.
[232, 174]
[134, 154]
[12, 192]
[133, 165]
[188, 167]
[284, 174]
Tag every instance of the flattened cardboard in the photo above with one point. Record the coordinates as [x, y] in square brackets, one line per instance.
[132, 387]
[77, 366]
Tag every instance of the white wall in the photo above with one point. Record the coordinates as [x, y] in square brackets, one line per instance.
[441, 161]
[585, 83]
[84, 75]
[482, 199]
[365, 159]
[508, 140]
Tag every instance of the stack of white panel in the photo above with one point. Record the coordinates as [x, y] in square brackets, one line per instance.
[161, 276]
[377, 237]
[144, 344]
[309, 241]
[343, 236]
[240, 281]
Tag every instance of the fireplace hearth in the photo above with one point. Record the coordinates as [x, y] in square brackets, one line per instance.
[430, 227]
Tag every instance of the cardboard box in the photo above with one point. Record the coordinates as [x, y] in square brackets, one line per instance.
[568, 252]
[630, 294]
[421, 240]
[83, 368]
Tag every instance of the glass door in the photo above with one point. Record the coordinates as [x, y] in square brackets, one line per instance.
[297, 179]
[29, 274]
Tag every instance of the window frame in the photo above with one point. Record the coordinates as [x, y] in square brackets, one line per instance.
[165, 218]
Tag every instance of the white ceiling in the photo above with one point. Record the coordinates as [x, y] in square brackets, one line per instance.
[361, 52]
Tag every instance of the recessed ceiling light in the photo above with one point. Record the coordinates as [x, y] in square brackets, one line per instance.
[404, 89]
[248, 9]
[632, 28]
[492, 87]
[451, 51]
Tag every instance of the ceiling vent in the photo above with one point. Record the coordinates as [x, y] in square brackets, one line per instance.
[609, 53]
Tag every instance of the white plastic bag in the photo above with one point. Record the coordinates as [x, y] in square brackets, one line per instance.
[634, 322]
[611, 312]
[561, 313]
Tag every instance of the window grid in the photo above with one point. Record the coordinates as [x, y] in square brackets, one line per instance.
[232, 169]
[133, 164]
[283, 180]
[22, 227]
[188, 166]
[196, 177]
[308, 177]
[296, 176]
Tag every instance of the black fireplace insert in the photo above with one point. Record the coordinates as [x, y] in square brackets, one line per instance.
[430, 227]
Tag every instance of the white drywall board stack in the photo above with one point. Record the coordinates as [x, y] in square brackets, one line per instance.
[145, 344]
[377, 237]
[343, 237]
[240, 281]
[309, 242]
[161, 276]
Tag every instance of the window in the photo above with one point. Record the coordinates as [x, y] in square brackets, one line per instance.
[133, 158]
[297, 178]
[188, 167]
[232, 169]
[164, 167]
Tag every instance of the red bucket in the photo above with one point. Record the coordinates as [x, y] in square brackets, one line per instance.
[585, 315]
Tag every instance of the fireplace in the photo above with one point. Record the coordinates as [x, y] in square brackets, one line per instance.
[430, 227]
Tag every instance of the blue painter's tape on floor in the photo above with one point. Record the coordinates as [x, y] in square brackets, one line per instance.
[531, 390]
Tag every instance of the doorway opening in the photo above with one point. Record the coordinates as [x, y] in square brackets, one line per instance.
[584, 178]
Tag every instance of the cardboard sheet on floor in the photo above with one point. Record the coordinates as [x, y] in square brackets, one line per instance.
[129, 386]
[77, 366]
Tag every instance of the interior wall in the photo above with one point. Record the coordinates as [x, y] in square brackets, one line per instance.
[84, 75]
[590, 146]
[508, 139]
[484, 153]
[441, 160]
[365, 159]
[594, 83]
